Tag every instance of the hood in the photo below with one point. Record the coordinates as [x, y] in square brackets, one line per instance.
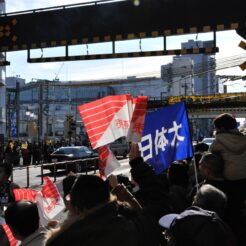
[233, 141]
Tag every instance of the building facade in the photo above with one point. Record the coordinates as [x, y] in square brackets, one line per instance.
[178, 76]
[205, 82]
[39, 110]
[193, 74]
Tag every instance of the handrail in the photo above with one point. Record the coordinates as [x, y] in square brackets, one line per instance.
[55, 170]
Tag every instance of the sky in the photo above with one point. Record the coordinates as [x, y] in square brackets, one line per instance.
[227, 42]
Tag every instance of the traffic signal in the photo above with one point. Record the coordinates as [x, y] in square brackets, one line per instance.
[73, 126]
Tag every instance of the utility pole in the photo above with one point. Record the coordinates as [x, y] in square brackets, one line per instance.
[17, 108]
[9, 115]
[40, 111]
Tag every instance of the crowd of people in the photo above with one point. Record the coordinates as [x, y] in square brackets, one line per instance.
[31, 153]
[173, 208]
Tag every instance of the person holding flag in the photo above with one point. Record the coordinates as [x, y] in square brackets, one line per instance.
[97, 220]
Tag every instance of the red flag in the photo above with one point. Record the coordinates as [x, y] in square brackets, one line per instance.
[138, 117]
[107, 161]
[25, 194]
[12, 240]
[107, 119]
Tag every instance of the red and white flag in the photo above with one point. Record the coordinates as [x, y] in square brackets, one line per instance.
[49, 200]
[107, 161]
[12, 240]
[25, 194]
[107, 119]
[137, 120]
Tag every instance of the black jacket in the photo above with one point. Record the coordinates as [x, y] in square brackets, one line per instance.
[106, 226]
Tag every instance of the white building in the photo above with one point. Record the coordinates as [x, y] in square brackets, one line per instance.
[11, 82]
[178, 76]
[205, 82]
[192, 74]
[148, 86]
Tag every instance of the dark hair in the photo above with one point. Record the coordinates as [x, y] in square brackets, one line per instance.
[7, 168]
[211, 198]
[178, 174]
[214, 161]
[201, 147]
[89, 191]
[67, 184]
[227, 121]
[22, 217]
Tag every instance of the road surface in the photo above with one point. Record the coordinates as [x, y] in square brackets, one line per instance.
[20, 175]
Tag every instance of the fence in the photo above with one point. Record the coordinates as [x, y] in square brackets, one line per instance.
[85, 164]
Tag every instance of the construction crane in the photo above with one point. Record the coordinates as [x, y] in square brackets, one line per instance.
[58, 72]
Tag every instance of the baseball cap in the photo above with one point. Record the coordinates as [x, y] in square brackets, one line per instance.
[167, 220]
[195, 226]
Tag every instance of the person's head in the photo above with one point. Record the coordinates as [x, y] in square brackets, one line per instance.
[211, 165]
[225, 122]
[67, 184]
[211, 198]
[23, 219]
[88, 192]
[178, 174]
[201, 147]
[5, 171]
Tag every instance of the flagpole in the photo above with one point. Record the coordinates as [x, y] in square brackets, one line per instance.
[194, 159]
[196, 176]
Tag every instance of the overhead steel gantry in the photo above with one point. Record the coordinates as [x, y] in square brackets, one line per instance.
[113, 21]
[206, 106]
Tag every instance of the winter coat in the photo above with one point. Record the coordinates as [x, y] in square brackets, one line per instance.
[38, 238]
[231, 145]
[105, 226]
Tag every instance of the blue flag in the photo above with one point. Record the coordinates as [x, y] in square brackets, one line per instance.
[166, 137]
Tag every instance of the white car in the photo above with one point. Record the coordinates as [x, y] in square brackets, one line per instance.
[208, 141]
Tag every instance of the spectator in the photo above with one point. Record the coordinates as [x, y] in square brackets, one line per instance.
[123, 194]
[210, 198]
[67, 184]
[10, 153]
[6, 186]
[96, 220]
[96, 217]
[200, 224]
[211, 168]
[23, 220]
[231, 144]
[178, 184]
[197, 227]
[26, 153]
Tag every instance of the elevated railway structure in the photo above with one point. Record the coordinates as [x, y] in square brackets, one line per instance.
[206, 106]
[108, 21]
